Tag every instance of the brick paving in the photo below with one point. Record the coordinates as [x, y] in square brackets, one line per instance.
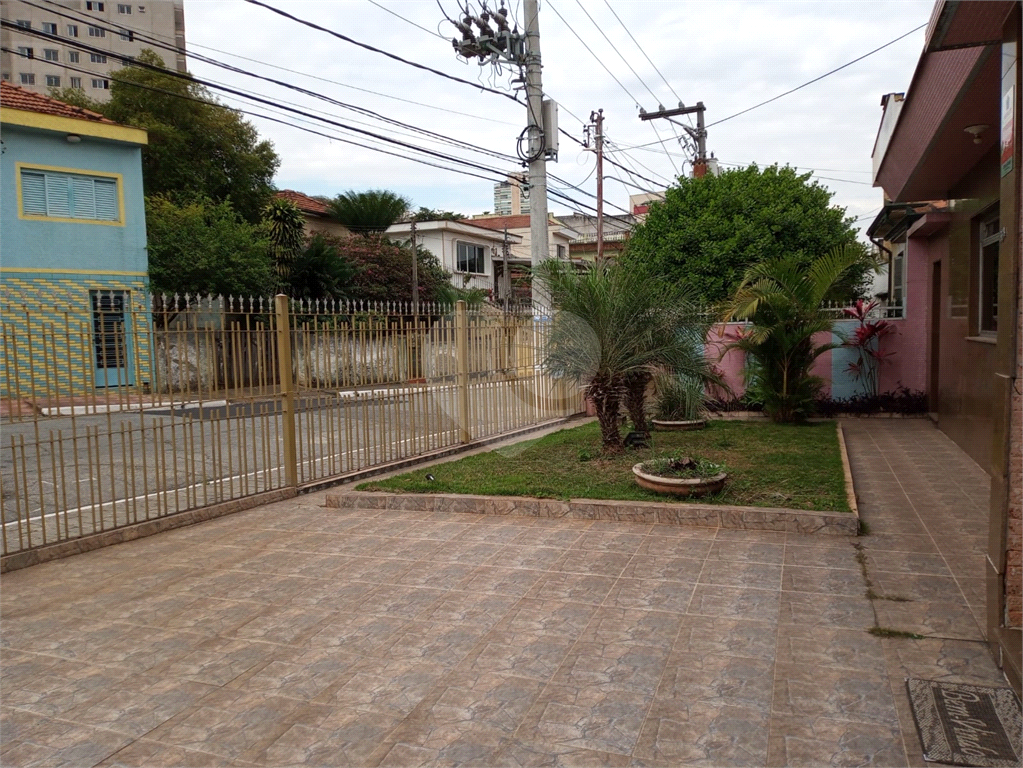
[294, 634]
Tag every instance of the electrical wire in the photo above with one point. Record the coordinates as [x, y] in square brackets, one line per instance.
[643, 51]
[408, 21]
[821, 77]
[51, 7]
[374, 49]
[615, 49]
[313, 94]
[587, 47]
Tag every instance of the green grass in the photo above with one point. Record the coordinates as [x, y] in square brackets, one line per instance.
[769, 465]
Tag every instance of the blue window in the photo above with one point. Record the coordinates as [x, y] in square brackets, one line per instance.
[68, 196]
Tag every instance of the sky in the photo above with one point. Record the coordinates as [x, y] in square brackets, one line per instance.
[729, 54]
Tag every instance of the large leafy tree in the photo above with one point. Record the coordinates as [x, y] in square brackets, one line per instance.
[708, 231]
[613, 326]
[204, 248]
[197, 146]
[370, 212]
[789, 328]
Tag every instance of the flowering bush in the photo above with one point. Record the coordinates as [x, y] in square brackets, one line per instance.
[866, 340]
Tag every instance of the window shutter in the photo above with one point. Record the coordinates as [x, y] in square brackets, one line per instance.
[106, 199]
[58, 202]
[33, 194]
[84, 197]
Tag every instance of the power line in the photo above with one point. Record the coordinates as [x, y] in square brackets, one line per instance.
[313, 94]
[407, 21]
[643, 51]
[587, 47]
[374, 49]
[821, 77]
[141, 34]
[615, 49]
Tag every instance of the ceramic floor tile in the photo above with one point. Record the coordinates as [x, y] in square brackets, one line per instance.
[718, 680]
[807, 742]
[679, 733]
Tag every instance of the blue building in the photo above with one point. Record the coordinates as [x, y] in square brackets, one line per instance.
[72, 247]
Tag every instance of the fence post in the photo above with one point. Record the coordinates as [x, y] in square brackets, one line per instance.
[287, 389]
[462, 360]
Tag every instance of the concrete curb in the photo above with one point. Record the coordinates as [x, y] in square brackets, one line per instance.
[850, 490]
[702, 515]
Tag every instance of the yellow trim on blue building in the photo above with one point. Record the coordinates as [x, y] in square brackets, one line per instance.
[41, 270]
[119, 178]
[79, 126]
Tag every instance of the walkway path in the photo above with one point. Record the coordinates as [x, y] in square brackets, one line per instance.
[299, 635]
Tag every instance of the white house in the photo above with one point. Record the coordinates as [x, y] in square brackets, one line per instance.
[474, 255]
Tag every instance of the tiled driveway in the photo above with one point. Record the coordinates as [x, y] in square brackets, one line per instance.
[299, 635]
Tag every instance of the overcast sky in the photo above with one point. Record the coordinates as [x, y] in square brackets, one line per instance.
[730, 55]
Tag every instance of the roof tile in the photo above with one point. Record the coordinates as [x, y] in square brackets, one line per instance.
[16, 97]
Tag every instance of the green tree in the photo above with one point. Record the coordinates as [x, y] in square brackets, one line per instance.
[614, 324]
[285, 230]
[204, 248]
[370, 212]
[197, 146]
[385, 269]
[708, 231]
[432, 214]
[320, 272]
[783, 301]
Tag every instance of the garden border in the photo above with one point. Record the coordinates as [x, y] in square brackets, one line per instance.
[672, 513]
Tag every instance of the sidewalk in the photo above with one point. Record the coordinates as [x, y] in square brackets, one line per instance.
[293, 634]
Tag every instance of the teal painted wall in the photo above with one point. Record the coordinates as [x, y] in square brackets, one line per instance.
[79, 246]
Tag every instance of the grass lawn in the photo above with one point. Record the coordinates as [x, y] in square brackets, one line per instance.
[769, 465]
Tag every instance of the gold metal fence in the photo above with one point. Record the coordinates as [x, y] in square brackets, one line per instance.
[137, 407]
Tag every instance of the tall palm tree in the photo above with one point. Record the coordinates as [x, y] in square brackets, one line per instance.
[370, 212]
[612, 323]
[783, 301]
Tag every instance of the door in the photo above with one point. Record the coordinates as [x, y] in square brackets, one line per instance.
[109, 336]
[935, 366]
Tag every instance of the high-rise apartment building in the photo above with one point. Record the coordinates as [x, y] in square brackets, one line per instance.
[82, 41]
[511, 195]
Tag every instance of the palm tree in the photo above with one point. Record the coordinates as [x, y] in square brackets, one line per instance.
[613, 324]
[370, 212]
[285, 230]
[783, 301]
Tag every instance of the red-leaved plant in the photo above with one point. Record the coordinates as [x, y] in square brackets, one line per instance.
[866, 340]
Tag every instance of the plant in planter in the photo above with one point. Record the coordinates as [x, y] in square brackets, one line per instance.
[681, 475]
[681, 402]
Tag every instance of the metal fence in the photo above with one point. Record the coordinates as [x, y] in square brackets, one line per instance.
[138, 407]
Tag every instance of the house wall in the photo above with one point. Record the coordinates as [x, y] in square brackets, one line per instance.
[326, 227]
[50, 267]
[444, 245]
[965, 394]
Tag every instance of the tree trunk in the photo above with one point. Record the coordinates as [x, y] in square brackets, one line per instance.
[605, 400]
[635, 399]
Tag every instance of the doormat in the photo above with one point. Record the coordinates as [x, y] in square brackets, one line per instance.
[966, 724]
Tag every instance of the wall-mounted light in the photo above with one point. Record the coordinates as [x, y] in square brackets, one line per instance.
[73, 138]
[976, 131]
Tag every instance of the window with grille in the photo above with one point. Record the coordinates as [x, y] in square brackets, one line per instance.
[69, 196]
[27, 78]
[471, 258]
[76, 82]
[53, 81]
[97, 58]
[51, 54]
[987, 279]
[97, 32]
[108, 329]
[124, 9]
[73, 57]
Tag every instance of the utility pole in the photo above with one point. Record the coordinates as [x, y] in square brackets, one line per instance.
[415, 273]
[506, 273]
[597, 119]
[539, 248]
[699, 134]
[496, 47]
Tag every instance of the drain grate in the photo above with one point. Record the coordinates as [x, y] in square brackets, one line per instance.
[966, 724]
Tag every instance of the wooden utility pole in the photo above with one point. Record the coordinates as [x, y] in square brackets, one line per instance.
[598, 145]
[415, 273]
[699, 134]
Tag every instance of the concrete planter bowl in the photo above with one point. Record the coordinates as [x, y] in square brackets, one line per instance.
[677, 486]
[679, 426]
